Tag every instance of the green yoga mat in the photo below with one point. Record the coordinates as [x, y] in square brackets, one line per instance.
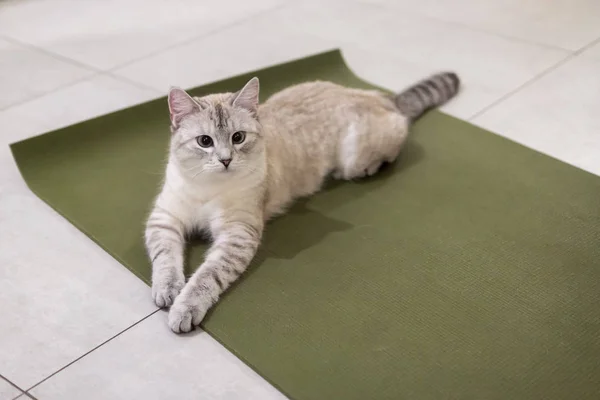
[469, 269]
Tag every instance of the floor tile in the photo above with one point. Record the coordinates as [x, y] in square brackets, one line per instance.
[219, 56]
[104, 34]
[150, 362]
[557, 114]
[26, 73]
[568, 24]
[89, 98]
[382, 47]
[61, 294]
[8, 391]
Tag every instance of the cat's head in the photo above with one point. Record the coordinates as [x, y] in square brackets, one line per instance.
[218, 134]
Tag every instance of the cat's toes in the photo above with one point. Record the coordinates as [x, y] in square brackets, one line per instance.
[180, 319]
[166, 289]
[164, 297]
[183, 316]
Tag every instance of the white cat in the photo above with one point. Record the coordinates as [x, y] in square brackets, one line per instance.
[234, 164]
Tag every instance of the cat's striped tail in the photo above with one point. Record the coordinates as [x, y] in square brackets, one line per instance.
[428, 93]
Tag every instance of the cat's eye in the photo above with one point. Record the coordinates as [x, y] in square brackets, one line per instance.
[204, 141]
[238, 137]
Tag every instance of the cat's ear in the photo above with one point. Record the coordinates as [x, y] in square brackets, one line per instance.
[180, 105]
[247, 98]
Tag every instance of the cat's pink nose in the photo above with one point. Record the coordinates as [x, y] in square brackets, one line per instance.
[225, 162]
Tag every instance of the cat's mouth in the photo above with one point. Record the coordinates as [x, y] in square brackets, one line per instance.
[226, 171]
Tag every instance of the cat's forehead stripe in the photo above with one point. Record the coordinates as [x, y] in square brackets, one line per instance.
[220, 114]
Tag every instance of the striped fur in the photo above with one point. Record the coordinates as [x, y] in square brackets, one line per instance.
[165, 245]
[225, 262]
[428, 93]
[291, 144]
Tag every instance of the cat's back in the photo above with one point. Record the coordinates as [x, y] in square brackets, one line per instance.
[318, 97]
[317, 111]
[305, 93]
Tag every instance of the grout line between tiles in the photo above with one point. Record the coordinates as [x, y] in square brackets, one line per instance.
[49, 53]
[12, 384]
[60, 87]
[84, 79]
[153, 53]
[201, 36]
[88, 352]
[589, 45]
[532, 80]
[26, 395]
[94, 72]
[520, 87]
[139, 85]
[110, 71]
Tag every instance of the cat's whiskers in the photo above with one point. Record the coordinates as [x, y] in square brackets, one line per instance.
[197, 174]
[194, 168]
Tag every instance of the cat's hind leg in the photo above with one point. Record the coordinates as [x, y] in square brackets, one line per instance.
[365, 147]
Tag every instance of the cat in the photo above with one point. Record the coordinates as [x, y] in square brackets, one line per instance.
[234, 164]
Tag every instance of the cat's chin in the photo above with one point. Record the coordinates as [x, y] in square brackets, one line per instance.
[223, 173]
[219, 171]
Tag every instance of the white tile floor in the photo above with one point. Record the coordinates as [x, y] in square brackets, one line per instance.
[76, 324]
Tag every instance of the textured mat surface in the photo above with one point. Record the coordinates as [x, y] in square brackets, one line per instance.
[467, 270]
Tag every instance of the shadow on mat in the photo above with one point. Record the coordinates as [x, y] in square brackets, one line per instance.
[300, 229]
[304, 226]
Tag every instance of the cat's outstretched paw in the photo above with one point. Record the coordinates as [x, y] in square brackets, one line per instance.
[166, 287]
[184, 315]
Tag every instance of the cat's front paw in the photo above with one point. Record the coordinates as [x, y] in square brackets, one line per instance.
[187, 312]
[165, 287]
